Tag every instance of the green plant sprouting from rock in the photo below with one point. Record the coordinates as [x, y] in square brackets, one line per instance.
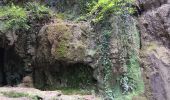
[129, 81]
[106, 62]
[38, 11]
[101, 9]
[13, 18]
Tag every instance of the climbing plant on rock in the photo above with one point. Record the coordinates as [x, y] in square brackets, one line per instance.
[129, 81]
[106, 62]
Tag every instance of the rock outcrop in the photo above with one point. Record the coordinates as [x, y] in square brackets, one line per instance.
[66, 41]
[62, 48]
[155, 52]
[60, 53]
[50, 55]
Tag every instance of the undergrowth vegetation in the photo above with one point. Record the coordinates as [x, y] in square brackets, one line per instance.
[75, 91]
[13, 94]
[129, 83]
[15, 17]
[38, 11]
[102, 9]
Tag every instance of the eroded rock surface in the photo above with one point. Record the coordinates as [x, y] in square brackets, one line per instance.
[63, 46]
[50, 54]
[66, 41]
[155, 52]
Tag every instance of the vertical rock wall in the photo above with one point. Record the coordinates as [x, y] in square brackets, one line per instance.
[155, 53]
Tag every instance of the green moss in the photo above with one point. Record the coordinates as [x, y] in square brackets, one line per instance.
[135, 79]
[132, 64]
[61, 16]
[151, 46]
[134, 72]
[61, 50]
[75, 91]
[13, 94]
[64, 33]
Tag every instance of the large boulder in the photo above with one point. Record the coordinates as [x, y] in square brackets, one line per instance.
[64, 47]
[66, 41]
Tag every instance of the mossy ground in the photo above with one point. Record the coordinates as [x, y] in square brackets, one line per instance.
[75, 91]
[12, 94]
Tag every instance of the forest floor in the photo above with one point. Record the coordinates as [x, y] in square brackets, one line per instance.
[18, 93]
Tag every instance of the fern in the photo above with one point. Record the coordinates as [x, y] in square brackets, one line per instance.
[37, 11]
[104, 8]
[13, 17]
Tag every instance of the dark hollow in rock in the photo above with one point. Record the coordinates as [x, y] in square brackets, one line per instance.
[2, 73]
[11, 67]
[64, 75]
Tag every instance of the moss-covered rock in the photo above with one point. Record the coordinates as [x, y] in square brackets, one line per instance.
[68, 41]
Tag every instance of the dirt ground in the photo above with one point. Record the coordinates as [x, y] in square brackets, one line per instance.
[42, 95]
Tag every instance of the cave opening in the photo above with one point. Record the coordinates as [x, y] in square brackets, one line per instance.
[2, 73]
[65, 75]
[11, 67]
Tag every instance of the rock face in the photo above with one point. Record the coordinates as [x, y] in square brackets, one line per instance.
[150, 4]
[155, 52]
[64, 47]
[66, 41]
[57, 53]
[50, 55]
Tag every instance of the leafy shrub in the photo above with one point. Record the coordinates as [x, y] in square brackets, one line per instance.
[85, 5]
[38, 11]
[13, 17]
[104, 8]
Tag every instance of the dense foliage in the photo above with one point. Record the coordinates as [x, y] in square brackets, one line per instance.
[38, 11]
[14, 17]
[101, 9]
[128, 83]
